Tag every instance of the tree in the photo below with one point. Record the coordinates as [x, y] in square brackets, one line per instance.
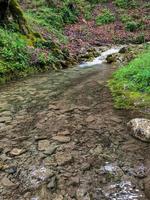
[12, 7]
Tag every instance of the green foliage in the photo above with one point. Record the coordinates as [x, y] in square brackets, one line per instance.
[132, 82]
[13, 51]
[126, 18]
[126, 3]
[97, 1]
[131, 26]
[105, 18]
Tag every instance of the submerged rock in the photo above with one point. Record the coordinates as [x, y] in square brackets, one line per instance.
[140, 128]
[111, 58]
[43, 145]
[7, 183]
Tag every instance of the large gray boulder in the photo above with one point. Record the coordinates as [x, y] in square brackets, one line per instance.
[140, 128]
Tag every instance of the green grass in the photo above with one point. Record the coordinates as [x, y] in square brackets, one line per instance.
[130, 85]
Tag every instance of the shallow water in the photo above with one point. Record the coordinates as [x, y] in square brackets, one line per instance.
[101, 59]
[39, 107]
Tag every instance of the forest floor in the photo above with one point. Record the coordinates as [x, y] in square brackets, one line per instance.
[62, 139]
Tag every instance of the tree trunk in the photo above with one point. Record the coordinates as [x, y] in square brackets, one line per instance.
[3, 11]
[18, 16]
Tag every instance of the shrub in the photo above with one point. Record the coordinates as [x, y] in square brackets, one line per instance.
[126, 3]
[131, 26]
[105, 18]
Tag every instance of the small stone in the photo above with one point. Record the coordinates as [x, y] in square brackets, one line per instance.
[63, 158]
[53, 107]
[3, 166]
[123, 50]
[90, 119]
[7, 183]
[49, 161]
[85, 167]
[140, 129]
[42, 174]
[111, 58]
[82, 194]
[11, 170]
[147, 187]
[5, 119]
[63, 133]
[75, 181]
[16, 152]
[98, 150]
[51, 149]
[52, 184]
[59, 197]
[43, 145]
[61, 139]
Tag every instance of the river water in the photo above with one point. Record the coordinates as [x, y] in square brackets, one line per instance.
[61, 138]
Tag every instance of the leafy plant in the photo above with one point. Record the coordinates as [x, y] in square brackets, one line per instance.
[105, 18]
[132, 82]
[126, 3]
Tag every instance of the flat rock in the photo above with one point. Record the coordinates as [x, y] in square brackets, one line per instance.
[147, 187]
[63, 158]
[51, 149]
[7, 183]
[59, 197]
[140, 129]
[63, 133]
[16, 152]
[5, 119]
[52, 183]
[61, 139]
[90, 119]
[98, 150]
[43, 145]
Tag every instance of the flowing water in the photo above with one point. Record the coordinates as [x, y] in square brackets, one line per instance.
[61, 138]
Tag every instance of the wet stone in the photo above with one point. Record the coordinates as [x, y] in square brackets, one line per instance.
[59, 197]
[90, 119]
[147, 187]
[82, 194]
[5, 119]
[43, 145]
[97, 151]
[63, 133]
[52, 183]
[7, 183]
[62, 139]
[16, 152]
[11, 170]
[51, 149]
[140, 129]
[63, 158]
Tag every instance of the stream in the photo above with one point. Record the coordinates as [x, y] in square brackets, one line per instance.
[62, 139]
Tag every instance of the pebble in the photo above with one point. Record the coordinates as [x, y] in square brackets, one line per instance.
[51, 149]
[61, 139]
[63, 133]
[140, 129]
[52, 184]
[59, 197]
[5, 119]
[43, 145]
[7, 183]
[16, 152]
[90, 119]
[98, 150]
[11, 170]
[63, 158]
